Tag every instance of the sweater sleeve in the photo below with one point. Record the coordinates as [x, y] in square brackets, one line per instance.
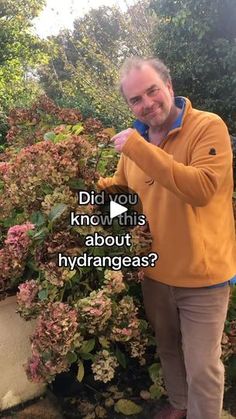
[197, 182]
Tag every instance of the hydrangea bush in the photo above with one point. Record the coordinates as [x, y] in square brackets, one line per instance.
[86, 315]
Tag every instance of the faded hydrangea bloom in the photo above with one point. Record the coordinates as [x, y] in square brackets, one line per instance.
[10, 269]
[55, 329]
[17, 241]
[56, 275]
[138, 348]
[40, 164]
[104, 366]
[141, 241]
[35, 369]
[136, 276]
[126, 323]
[28, 305]
[56, 335]
[13, 255]
[63, 195]
[114, 283]
[39, 370]
[95, 310]
[3, 168]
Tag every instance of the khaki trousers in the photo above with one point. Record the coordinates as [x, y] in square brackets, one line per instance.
[188, 325]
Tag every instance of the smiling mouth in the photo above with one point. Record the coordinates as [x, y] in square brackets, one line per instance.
[152, 113]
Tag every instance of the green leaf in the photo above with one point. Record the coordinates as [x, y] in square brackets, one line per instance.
[60, 137]
[57, 211]
[127, 407]
[121, 358]
[86, 356]
[49, 136]
[41, 234]
[32, 265]
[46, 189]
[80, 374]
[154, 371]
[88, 346]
[143, 324]
[71, 274]
[31, 233]
[77, 184]
[77, 129]
[12, 220]
[155, 391]
[98, 251]
[43, 294]
[71, 357]
[37, 218]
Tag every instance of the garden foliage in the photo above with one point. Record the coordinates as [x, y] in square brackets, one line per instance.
[197, 40]
[83, 70]
[20, 53]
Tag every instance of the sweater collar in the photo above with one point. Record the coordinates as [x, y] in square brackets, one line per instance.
[180, 102]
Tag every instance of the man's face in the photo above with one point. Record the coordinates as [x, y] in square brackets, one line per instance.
[148, 96]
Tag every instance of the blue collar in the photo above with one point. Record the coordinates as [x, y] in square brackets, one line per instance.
[142, 128]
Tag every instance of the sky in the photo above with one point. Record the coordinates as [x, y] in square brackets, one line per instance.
[59, 14]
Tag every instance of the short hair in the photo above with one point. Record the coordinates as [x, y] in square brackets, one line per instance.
[138, 62]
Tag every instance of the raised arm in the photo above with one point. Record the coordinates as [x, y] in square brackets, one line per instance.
[197, 182]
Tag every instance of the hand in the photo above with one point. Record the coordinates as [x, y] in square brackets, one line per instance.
[101, 183]
[121, 138]
[104, 183]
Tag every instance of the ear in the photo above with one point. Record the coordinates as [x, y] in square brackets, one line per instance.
[170, 87]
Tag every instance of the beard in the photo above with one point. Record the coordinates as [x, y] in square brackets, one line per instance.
[156, 117]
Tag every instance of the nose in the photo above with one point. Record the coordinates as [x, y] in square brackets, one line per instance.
[147, 102]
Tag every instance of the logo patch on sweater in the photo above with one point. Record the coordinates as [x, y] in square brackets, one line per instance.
[212, 151]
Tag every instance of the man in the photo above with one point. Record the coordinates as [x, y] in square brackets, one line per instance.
[179, 161]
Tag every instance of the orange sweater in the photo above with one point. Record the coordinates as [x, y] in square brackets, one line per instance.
[185, 185]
